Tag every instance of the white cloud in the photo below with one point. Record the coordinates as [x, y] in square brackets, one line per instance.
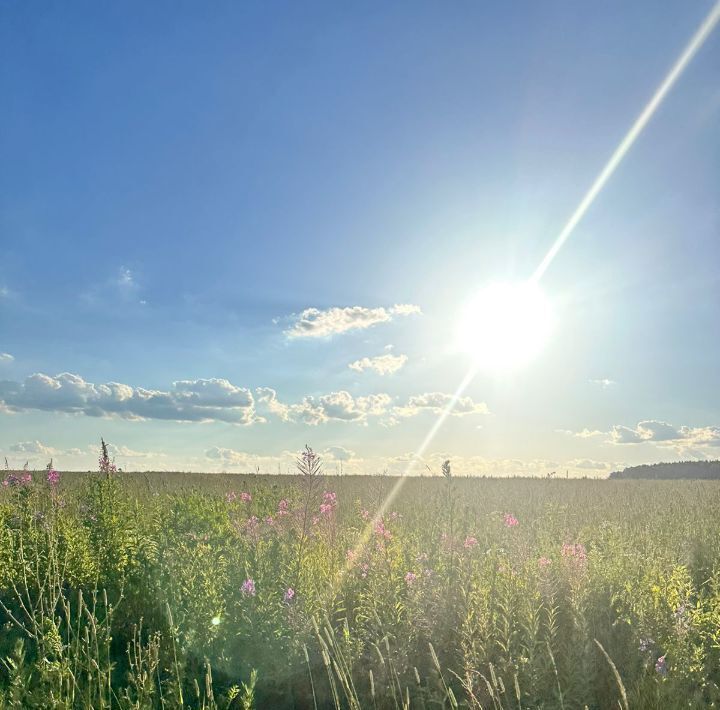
[605, 383]
[214, 400]
[188, 401]
[316, 323]
[6, 357]
[4, 291]
[590, 464]
[338, 453]
[126, 279]
[382, 364]
[583, 434]
[651, 430]
[436, 402]
[32, 448]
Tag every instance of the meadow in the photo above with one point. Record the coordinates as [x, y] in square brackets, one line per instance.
[122, 590]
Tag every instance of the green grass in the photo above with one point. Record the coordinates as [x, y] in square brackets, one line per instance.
[126, 592]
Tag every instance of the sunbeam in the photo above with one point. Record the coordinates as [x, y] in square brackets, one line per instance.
[693, 46]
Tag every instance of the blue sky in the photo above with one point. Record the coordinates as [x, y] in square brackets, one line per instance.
[181, 182]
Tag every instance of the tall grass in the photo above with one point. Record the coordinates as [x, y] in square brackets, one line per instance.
[131, 591]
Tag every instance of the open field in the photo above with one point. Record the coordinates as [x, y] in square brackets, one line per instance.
[168, 590]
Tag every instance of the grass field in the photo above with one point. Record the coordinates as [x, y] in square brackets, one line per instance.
[168, 590]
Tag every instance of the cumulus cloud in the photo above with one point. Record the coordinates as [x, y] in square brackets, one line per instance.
[436, 402]
[32, 448]
[316, 323]
[202, 400]
[338, 453]
[662, 433]
[590, 464]
[215, 400]
[6, 357]
[382, 364]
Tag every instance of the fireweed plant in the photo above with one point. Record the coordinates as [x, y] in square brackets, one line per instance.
[122, 590]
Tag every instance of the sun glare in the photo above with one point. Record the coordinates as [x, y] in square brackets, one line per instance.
[505, 325]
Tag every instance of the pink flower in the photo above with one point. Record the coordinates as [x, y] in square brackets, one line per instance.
[283, 507]
[245, 497]
[382, 531]
[470, 541]
[248, 587]
[661, 666]
[230, 497]
[365, 514]
[410, 578]
[289, 595]
[53, 477]
[326, 508]
[544, 562]
[510, 520]
[270, 520]
[251, 524]
[576, 552]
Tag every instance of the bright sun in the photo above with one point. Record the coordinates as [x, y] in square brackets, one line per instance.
[505, 325]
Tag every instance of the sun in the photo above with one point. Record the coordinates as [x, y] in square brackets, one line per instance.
[505, 325]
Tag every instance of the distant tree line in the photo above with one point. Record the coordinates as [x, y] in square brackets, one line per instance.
[680, 469]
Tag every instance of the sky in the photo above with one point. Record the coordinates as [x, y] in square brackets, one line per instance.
[229, 230]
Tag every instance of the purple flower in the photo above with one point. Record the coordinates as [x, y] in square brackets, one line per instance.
[510, 520]
[289, 595]
[53, 477]
[245, 497]
[410, 578]
[248, 587]
[231, 497]
[661, 666]
[470, 541]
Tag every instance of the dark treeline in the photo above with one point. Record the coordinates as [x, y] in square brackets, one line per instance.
[680, 469]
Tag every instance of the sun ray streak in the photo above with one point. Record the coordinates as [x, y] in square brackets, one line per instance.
[642, 120]
[695, 43]
[446, 412]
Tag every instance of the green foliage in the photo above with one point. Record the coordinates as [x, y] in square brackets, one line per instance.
[164, 591]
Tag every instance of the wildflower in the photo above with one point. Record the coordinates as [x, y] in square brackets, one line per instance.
[315, 520]
[326, 509]
[248, 587]
[576, 552]
[231, 497]
[661, 666]
[510, 520]
[350, 556]
[289, 595]
[410, 578]
[364, 569]
[270, 520]
[365, 514]
[283, 507]
[53, 477]
[245, 497]
[470, 541]
[382, 531]
[251, 524]
[395, 515]
[544, 562]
